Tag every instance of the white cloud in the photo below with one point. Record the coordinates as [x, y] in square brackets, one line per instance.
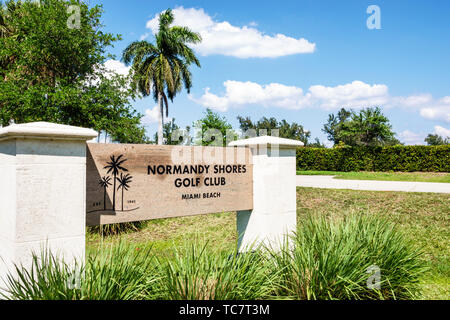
[356, 94]
[437, 110]
[410, 138]
[109, 68]
[117, 67]
[441, 131]
[244, 93]
[221, 37]
[413, 100]
[153, 115]
[144, 36]
[351, 95]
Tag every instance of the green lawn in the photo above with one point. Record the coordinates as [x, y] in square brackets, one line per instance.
[384, 176]
[422, 216]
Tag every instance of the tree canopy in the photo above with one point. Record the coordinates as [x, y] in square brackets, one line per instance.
[368, 127]
[174, 135]
[437, 140]
[211, 128]
[264, 126]
[52, 70]
[162, 68]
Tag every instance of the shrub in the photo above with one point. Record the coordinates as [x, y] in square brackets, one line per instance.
[331, 258]
[392, 158]
[118, 272]
[196, 273]
[121, 272]
[328, 259]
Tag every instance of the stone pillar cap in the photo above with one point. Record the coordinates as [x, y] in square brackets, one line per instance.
[267, 140]
[46, 130]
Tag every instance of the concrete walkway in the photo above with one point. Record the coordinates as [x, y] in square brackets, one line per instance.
[329, 183]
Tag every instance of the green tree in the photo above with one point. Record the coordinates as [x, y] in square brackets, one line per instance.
[162, 68]
[334, 125]
[53, 72]
[436, 140]
[210, 127]
[285, 130]
[316, 144]
[171, 131]
[368, 127]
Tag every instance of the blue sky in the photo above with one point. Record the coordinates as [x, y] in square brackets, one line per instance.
[301, 60]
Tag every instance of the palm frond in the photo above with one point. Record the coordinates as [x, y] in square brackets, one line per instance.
[163, 68]
[186, 35]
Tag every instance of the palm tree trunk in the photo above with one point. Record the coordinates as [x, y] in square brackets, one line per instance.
[122, 199]
[104, 199]
[161, 120]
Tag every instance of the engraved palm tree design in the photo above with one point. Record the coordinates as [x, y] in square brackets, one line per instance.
[105, 182]
[124, 181]
[114, 166]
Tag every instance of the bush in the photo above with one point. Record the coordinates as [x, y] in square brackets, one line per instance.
[124, 272]
[118, 272]
[196, 273]
[393, 158]
[331, 260]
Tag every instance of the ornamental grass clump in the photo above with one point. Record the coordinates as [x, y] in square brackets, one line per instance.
[116, 272]
[357, 257]
[46, 279]
[196, 273]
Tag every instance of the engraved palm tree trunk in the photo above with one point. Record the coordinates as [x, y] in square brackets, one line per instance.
[104, 198]
[105, 183]
[114, 166]
[122, 199]
[124, 183]
[114, 192]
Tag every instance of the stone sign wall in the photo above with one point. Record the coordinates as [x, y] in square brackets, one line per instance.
[131, 182]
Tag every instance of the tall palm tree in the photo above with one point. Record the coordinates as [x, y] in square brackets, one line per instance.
[124, 183]
[105, 182]
[114, 166]
[162, 68]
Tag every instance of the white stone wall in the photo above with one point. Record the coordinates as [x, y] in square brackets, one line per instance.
[42, 195]
[43, 190]
[274, 215]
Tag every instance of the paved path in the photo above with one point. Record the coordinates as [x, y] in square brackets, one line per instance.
[407, 186]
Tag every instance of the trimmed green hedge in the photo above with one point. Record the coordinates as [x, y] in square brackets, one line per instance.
[394, 158]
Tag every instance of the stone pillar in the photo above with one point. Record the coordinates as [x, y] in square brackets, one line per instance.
[274, 214]
[42, 192]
